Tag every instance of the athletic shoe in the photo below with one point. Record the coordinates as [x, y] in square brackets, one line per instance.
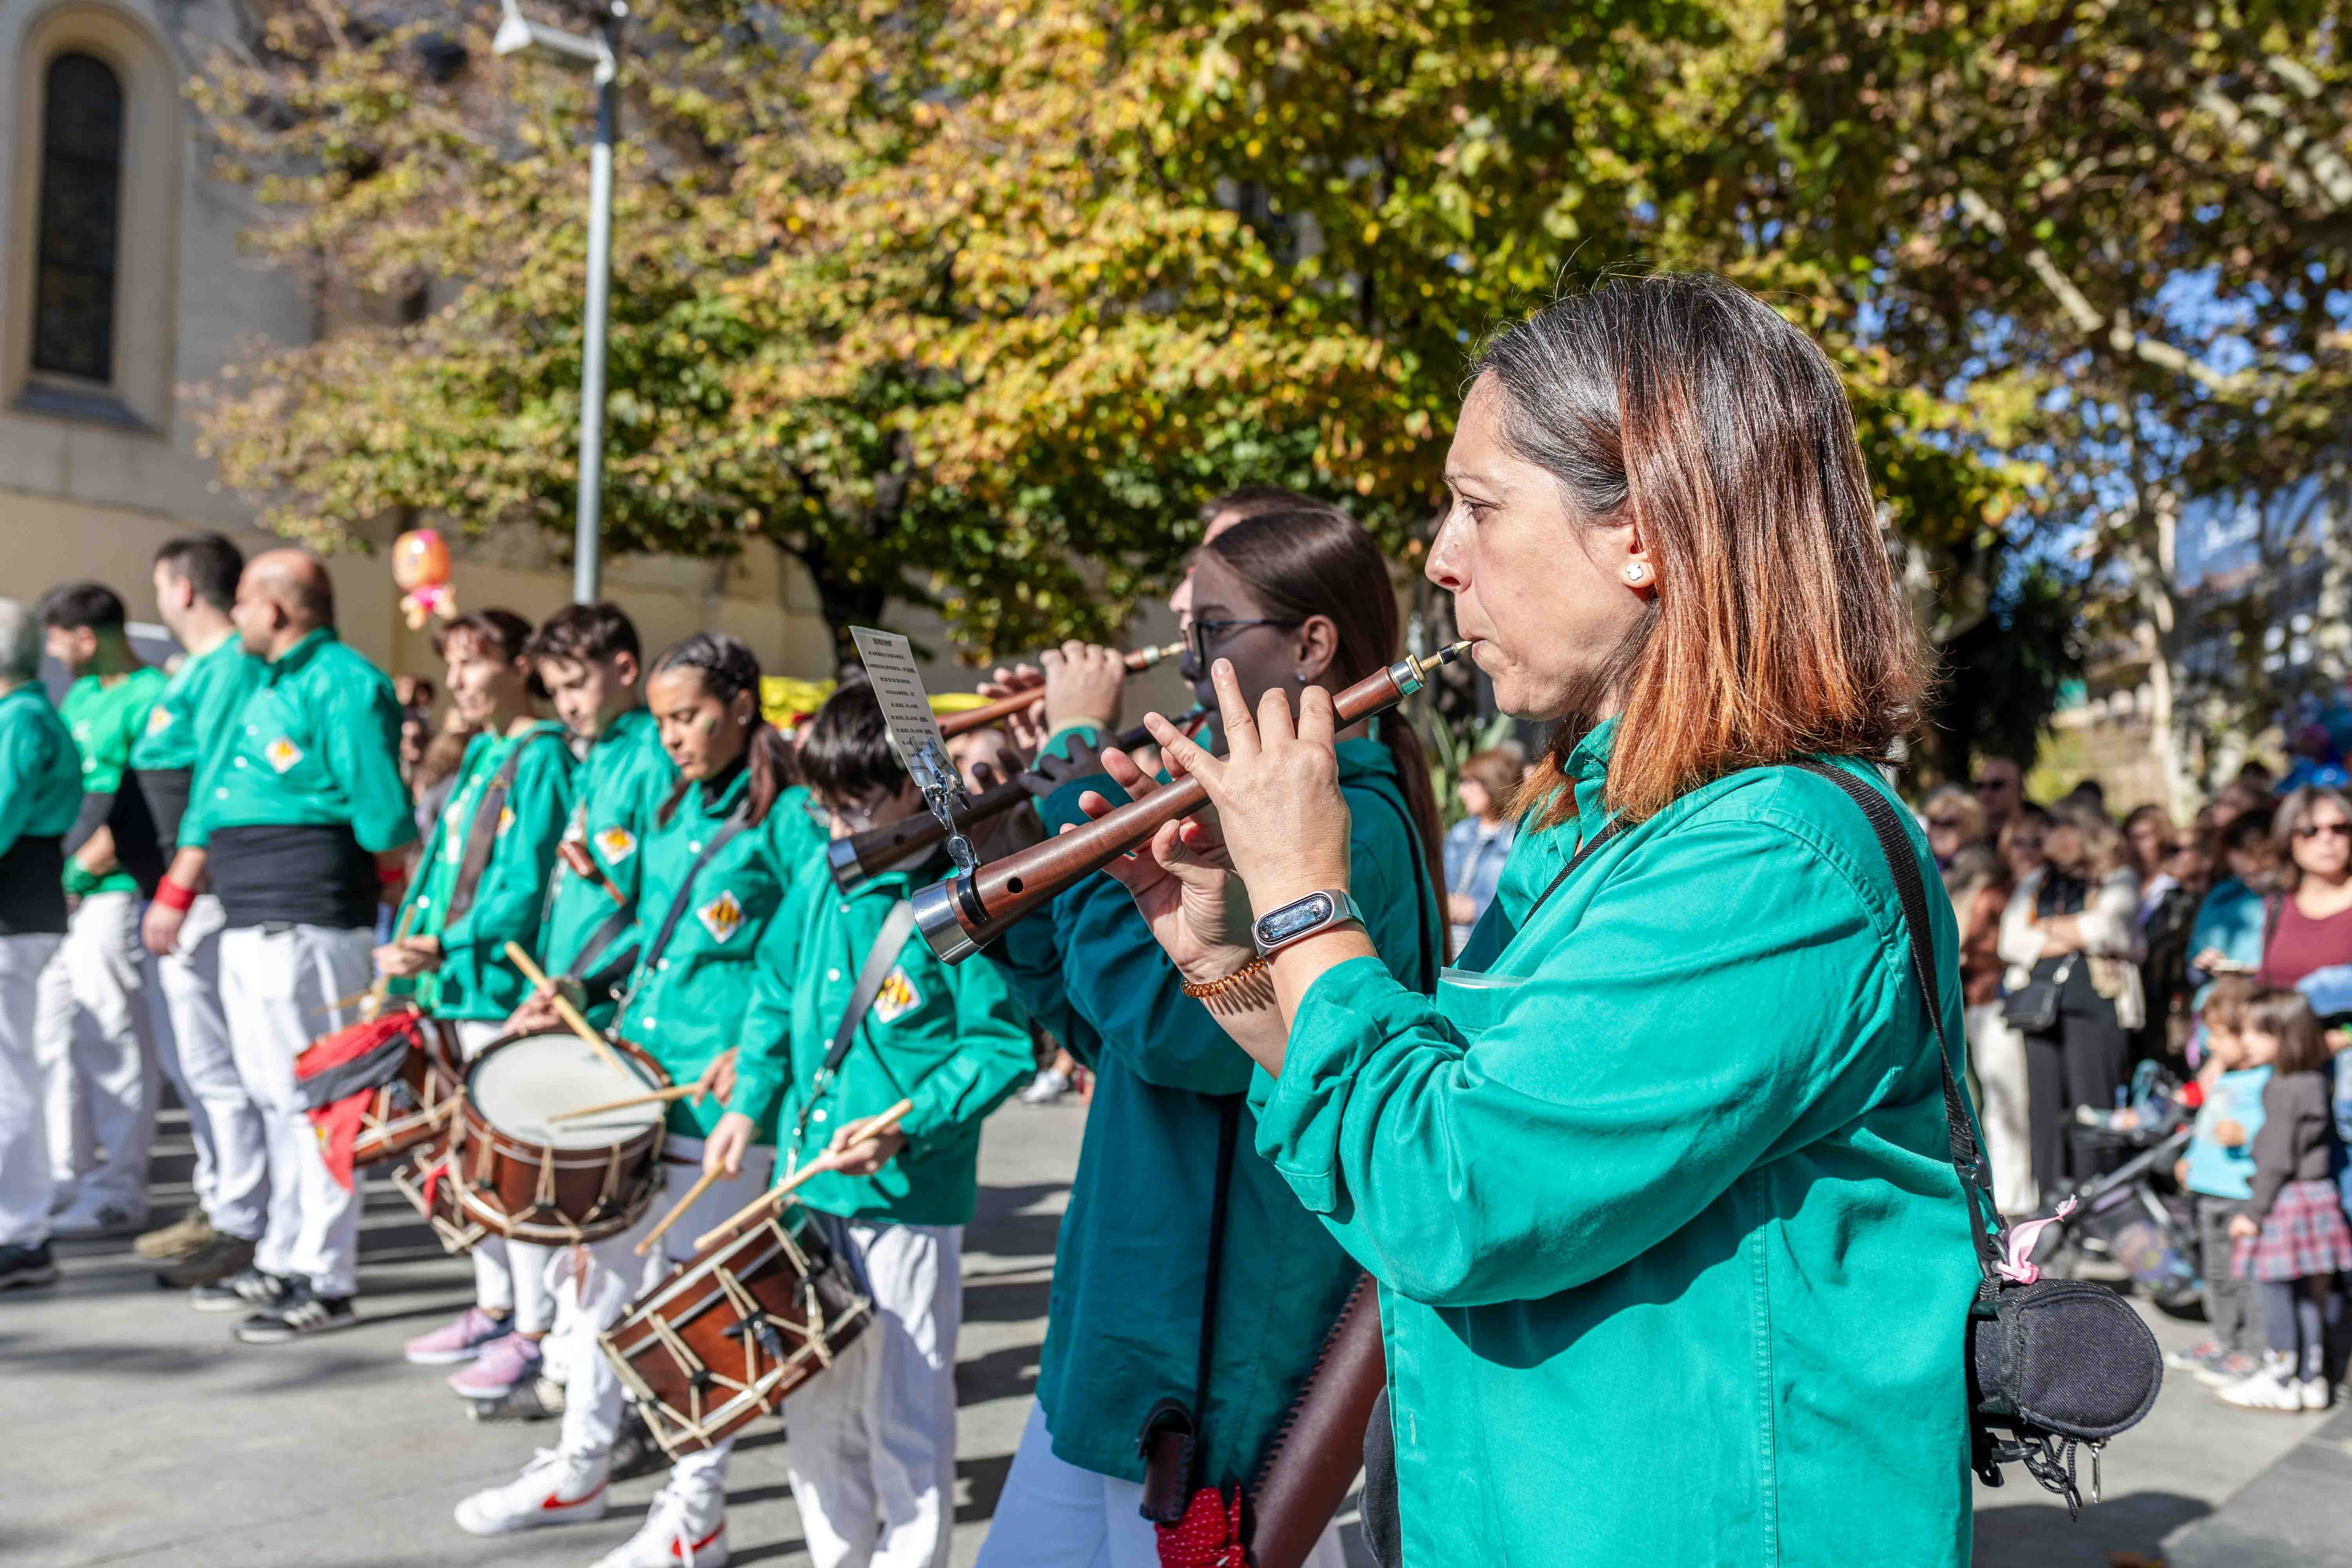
[2235, 1367]
[504, 1361]
[635, 1452]
[304, 1312]
[242, 1293]
[24, 1267]
[1045, 1088]
[534, 1399]
[677, 1533]
[460, 1338]
[181, 1238]
[218, 1258]
[106, 1220]
[2202, 1354]
[553, 1488]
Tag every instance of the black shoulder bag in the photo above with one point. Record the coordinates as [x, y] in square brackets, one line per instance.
[482, 832]
[2051, 1362]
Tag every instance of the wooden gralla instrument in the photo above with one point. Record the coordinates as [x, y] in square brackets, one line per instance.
[971, 719]
[964, 913]
[860, 856]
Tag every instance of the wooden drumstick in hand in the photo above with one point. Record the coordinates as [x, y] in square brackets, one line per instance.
[694, 1192]
[564, 1009]
[857, 1133]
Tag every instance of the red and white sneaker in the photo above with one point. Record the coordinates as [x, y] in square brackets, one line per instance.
[679, 1531]
[553, 1488]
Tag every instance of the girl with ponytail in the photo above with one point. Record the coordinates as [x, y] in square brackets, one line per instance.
[715, 868]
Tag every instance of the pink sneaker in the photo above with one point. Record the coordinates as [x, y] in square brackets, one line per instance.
[461, 1339]
[504, 1361]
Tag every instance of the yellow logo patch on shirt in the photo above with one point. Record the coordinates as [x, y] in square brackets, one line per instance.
[159, 718]
[896, 998]
[506, 819]
[721, 917]
[282, 754]
[616, 845]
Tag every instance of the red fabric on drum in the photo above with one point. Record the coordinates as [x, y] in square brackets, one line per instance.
[1208, 1536]
[336, 1123]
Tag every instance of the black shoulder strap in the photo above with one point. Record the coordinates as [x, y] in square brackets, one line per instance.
[1229, 1118]
[1584, 852]
[1966, 1153]
[736, 821]
[888, 943]
[482, 833]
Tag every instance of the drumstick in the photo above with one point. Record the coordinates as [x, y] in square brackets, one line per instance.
[858, 1132]
[370, 999]
[700, 1186]
[564, 1009]
[676, 1091]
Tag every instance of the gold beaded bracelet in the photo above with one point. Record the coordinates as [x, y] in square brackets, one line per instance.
[1205, 989]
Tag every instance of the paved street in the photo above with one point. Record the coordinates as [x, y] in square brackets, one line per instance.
[132, 1431]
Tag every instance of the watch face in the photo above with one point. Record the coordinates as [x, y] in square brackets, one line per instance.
[1293, 920]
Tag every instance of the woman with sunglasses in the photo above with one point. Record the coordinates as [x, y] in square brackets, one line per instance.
[2311, 927]
[1955, 821]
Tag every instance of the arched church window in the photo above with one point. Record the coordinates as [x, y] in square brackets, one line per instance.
[80, 218]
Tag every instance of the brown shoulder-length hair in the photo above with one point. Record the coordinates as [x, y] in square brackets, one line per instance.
[2286, 1017]
[1681, 403]
[2293, 814]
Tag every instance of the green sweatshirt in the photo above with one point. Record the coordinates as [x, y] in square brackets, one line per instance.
[1674, 1267]
[621, 782]
[106, 719]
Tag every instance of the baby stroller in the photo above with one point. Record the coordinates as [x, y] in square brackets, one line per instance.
[2134, 1215]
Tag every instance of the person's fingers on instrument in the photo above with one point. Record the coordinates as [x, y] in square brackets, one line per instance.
[1183, 757]
[1238, 723]
[1318, 718]
[1275, 728]
[1129, 774]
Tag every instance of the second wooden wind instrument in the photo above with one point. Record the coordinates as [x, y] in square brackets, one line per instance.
[963, 915]
[971, 719]
[862, 854]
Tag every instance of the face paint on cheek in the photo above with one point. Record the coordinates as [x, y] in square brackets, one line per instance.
[708, 724]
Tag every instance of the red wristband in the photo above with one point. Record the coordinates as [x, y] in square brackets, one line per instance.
[174, 895]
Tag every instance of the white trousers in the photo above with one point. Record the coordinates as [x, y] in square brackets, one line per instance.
[277, 983]
[510, 1277]
[591, 1298]
[97, 1058]
[25, 1180]
[1055, 1515]
[192, 1044]
[872, 1451]
[1998, 1053]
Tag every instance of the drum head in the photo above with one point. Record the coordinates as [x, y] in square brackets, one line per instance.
[518, 1084]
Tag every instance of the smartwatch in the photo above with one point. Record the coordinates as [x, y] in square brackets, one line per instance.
[1302, 918]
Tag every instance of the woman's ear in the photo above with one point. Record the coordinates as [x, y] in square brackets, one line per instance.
[1639, 572]
[1314, 648]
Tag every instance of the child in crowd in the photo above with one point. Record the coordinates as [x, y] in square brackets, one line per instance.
[2218, 1174]
[2292, 1238]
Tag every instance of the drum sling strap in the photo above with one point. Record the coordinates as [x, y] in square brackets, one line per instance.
[736, 821]
[888, 943]
[482, 833]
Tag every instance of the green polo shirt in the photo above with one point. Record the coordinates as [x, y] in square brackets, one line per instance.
[186, 727]
[106, 717]
[315, 744]
[687, 1005]
[621, 783]
[40, 770]
[948, 1037]
[475, 979]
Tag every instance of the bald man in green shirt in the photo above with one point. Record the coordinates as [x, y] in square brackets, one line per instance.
[95, 1040]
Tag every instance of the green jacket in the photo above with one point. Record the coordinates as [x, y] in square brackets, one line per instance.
[688, 1004]
[315, 743]
[1123, 1327]
[1674, 1267]
[40, 783]
[947, 1037]
[105, 722]
[190, 722]
[621, 782]
[475, 979]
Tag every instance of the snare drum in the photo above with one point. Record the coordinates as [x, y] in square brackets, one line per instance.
[425, 1181]
[555, 1182]
[736, 1327]
[416, 1106]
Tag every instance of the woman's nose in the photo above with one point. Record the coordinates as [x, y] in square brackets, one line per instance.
[1446, 567]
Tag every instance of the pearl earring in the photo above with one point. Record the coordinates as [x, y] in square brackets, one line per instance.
[1637, 573]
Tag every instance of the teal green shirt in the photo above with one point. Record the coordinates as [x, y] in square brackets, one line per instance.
[688, 1004]
[948, 1037]
[1674, 1267]
[1123, 1325]
[315, 743]
[40, 769]
[621, 782]
[476, 979]
[106, 720]
[194, 706]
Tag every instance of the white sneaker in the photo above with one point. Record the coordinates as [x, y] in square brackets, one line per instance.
[676, 1534]
[553, 1488]
[2275, 1388]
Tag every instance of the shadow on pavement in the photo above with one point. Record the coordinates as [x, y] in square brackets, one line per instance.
[2032, 1534]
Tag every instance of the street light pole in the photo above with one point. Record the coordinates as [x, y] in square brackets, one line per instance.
[587, 558]
[518, 35]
